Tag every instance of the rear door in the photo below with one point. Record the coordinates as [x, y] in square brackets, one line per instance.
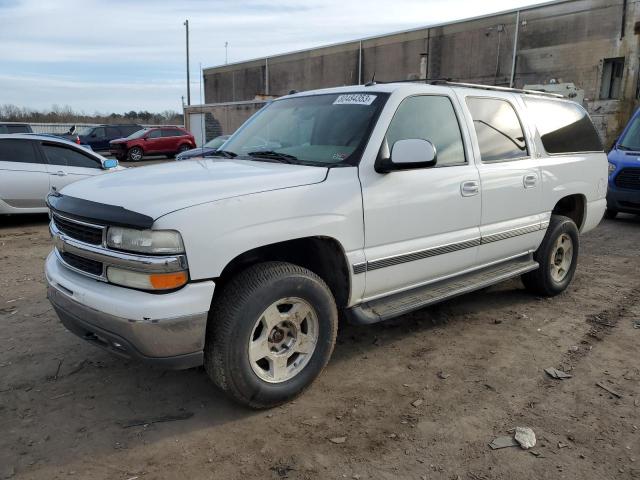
[510, 178]
[24, 177]
[68, 164]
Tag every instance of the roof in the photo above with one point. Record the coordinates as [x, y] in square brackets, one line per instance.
[37, 136]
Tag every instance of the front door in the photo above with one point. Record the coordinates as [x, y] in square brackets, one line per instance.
[68, 165]
[421, 224]
[153, 142]
[510, 180]
[24, 178]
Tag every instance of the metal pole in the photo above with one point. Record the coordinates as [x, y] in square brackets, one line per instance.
[360, 64]
[266, 76]
[186, 24]
[515, 50]
[226, 52]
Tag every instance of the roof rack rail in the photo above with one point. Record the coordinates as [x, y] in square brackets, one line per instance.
[414, 80]
[496, 88]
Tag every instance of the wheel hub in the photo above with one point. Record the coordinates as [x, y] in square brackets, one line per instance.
[561, 258]
[283, 340]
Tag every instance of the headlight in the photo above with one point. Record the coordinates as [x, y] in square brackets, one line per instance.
[145, 241]
[612, 168]
[146, 281]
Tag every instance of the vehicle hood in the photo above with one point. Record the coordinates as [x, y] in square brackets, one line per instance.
[118, 140]
[156, 190]
[624, 157]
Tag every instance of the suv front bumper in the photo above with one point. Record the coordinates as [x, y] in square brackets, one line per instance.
[163, 329]
[627, 201]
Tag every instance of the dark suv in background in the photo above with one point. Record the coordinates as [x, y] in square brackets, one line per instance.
[98, 137]
[153, 141]
[15, 127]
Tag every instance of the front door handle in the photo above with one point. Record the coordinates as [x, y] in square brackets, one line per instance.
[60, 173]
[469, 188]
[530, 180]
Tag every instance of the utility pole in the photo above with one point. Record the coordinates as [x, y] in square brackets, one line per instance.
[226, 52]
[186, 24]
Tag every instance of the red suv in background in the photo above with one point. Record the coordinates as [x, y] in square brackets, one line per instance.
[152, 141]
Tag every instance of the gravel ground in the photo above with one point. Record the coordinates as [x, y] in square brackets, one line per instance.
[420, 397]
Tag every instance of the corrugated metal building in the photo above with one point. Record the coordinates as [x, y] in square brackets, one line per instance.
[593, 44]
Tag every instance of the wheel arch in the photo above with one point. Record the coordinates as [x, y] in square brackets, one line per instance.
[572, 206]
[325, 256]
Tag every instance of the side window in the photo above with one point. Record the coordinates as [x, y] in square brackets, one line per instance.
[499, 132]
[432, 118]
[564, 127]
[98, 132]
[113, 132]
[168, 132]
[68, 157]
[155, 134]
[18, 151]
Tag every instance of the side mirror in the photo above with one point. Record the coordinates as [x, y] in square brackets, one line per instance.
[110, 163]
[408, 154]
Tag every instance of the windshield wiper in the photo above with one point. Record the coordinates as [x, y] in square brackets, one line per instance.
[273, 155]
[222, 153]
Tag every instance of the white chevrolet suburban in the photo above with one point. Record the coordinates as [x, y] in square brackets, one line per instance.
[360, 203]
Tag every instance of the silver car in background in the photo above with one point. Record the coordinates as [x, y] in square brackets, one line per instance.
[31, 165]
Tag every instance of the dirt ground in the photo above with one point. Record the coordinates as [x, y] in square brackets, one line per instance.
[417, 398]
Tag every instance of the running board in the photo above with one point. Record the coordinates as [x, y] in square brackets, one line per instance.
[405, 302]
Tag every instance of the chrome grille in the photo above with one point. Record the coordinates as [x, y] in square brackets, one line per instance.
[80, 231]
[84, 264]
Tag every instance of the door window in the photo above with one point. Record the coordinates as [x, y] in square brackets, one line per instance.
[431, 118]
[113, 132]
[499, 132]
[99, 132]
[18, 151]
[155, 134]
[69, 157]
[172, 132]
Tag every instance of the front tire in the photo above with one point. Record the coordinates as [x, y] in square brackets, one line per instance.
[135, 154]
[271, 333]
[557, 256]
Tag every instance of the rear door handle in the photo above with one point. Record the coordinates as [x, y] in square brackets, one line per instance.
[530, 180]
[60, 173]
[469, 188]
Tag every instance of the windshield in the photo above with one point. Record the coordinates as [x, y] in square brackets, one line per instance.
[138, 134]
[325, 129]
[631, 138]
[216, 142]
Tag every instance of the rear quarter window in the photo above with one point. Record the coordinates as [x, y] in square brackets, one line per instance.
[564, 127]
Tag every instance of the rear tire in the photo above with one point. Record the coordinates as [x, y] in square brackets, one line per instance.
[610, 214]
[135, 154]
[557, 256]
[271, 332]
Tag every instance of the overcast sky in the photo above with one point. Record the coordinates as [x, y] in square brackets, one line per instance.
[121, 55]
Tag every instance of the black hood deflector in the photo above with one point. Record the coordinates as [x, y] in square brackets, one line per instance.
[99, 213]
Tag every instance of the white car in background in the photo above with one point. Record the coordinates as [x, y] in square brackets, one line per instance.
[32, 165]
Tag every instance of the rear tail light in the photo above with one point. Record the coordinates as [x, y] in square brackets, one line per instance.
[77, 139]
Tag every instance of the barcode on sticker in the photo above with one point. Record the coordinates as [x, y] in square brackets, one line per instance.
[355, 99]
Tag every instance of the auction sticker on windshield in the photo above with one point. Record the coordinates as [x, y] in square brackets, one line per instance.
[355, 99]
